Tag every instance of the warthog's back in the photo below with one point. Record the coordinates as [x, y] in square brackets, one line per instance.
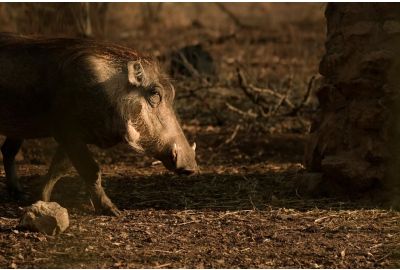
[25, 78]
[36, 73]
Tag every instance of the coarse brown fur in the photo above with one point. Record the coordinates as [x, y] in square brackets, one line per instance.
[72, 47]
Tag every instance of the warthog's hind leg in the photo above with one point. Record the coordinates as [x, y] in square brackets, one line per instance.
[9, 150]
[58, 168]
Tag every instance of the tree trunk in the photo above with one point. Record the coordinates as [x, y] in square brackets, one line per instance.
[354, 140]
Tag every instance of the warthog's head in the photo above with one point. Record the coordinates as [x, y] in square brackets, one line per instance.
[151, 123]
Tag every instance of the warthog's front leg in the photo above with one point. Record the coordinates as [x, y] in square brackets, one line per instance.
[9, 150]
[58, 168]
[89, 170]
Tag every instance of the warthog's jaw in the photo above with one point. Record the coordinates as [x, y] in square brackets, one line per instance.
[175, 154]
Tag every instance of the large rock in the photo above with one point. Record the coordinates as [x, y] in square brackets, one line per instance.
[46, 217]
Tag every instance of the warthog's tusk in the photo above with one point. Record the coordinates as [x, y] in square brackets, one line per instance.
[175, 151]
[194, 146]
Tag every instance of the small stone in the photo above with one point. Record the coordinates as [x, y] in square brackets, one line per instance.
[343, 253]
[221, 261]
[46, 217]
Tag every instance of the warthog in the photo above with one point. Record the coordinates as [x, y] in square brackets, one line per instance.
[86, 92]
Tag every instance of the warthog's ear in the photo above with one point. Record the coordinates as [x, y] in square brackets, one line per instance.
[136, 73]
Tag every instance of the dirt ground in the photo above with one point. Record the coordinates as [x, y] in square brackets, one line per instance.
[245, 209]
[241, 212]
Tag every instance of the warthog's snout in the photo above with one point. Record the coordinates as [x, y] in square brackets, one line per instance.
[181, 158]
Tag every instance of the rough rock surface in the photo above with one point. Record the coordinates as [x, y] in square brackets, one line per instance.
[353, 138]
[46, 217]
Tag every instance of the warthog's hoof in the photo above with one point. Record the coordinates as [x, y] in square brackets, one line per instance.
[102, 204]
[108, 211]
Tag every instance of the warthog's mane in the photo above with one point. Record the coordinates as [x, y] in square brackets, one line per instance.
[71, 49]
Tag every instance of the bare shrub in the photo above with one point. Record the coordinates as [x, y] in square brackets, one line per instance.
[151, 14]
[60, 19]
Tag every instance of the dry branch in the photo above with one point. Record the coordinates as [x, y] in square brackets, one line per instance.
[255, 96]
[239, 111]
[232, 137]
[188, 65]
[232, 16]
[272, 93]
[59, 19]
[192, 69]
[281, 101]
[305, 98]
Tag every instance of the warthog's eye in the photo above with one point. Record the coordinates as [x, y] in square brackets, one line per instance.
[154, 97]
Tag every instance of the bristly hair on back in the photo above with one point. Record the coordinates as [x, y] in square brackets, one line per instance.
[71, 48]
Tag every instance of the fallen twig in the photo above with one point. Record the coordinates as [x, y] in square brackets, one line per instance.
[162, 265]
[232, 16]
[384, 257]
[232, 137]
[281, 101]
[319, 220]
[239, 111]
